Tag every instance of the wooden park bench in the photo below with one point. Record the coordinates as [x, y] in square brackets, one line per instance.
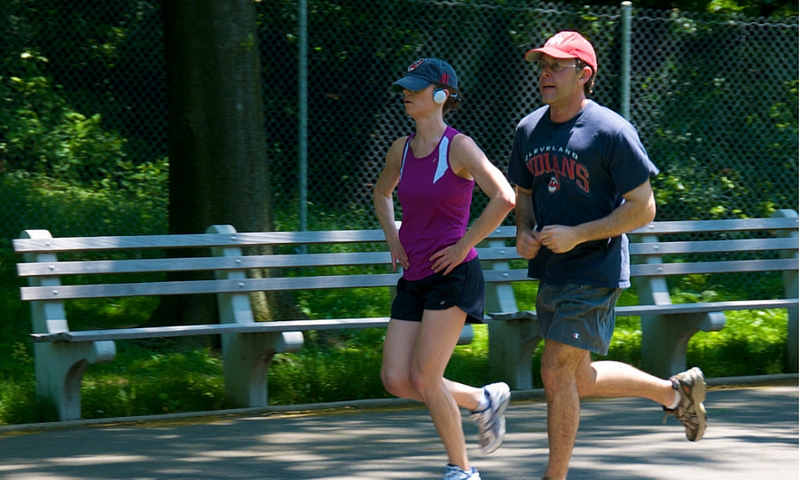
[660, 250]
[62, 355]
[248, 346]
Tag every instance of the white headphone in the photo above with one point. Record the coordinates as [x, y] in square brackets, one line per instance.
[440, 95]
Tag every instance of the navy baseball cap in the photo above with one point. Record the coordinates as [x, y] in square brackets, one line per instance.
[426, 71]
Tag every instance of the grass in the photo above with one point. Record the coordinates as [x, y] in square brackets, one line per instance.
[166, 377]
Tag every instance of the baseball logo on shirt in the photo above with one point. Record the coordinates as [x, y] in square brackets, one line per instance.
[553, 186]
[562, 164]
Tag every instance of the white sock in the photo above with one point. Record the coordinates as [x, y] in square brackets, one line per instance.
[676, 402]
[483, 404]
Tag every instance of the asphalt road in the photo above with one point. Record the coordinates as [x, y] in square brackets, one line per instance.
[752, 434]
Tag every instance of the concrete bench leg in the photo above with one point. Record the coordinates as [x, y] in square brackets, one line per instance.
[60, 365]
[665, 338]
[59, 372]
[246, 360]
[790, 289]
[246, 356]
[467, 335]
[791, 285]
[511, 340]
[511, 346]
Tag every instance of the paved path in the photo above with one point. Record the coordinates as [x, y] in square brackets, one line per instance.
[752, 435]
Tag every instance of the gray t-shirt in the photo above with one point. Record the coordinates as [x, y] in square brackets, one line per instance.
[578, 171]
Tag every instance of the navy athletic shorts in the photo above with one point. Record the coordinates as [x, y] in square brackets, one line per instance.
[581, 316]
[463, 288]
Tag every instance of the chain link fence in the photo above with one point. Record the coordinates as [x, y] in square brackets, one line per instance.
[720, 124]
[83, 132]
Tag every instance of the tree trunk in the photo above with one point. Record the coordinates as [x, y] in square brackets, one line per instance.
[217, 150]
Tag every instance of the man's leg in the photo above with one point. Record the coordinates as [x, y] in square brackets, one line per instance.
[616, 379]
[559, 366]
[682, 394]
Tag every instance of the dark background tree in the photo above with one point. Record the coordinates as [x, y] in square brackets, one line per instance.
[218, 158]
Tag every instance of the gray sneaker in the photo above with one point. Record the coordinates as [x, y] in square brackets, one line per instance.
[691, 412]
[492, 421]
[453, 472]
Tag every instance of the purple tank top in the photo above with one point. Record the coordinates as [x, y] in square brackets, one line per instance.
[435, 204]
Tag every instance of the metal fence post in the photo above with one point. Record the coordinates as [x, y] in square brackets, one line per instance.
[625, 68]
[302, 111]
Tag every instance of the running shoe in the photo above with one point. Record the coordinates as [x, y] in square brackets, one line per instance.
[454, 472]
[691, 412]
[491, 422]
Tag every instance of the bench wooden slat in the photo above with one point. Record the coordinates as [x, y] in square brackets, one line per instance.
[91, 267]
[190, 330]
[358, 258]
[659, 269]
[355, 258]
[198, 240]
[68, 244]
[710, 226]
[714, 246]
[689, 226]
[67, 292]
[500, 276]
[672, 309]
[202, 264]
[728, 266]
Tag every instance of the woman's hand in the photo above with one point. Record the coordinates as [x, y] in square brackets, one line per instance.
[398, 254]
[448, 258]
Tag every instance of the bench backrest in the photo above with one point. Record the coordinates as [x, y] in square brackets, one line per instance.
[44, 271]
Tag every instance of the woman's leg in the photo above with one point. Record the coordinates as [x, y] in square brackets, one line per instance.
[398, 354]
[437, 337]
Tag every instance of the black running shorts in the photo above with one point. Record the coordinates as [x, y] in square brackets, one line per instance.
[463, 288]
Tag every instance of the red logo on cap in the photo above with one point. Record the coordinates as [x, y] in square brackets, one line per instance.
[414, 65]
[445, 80]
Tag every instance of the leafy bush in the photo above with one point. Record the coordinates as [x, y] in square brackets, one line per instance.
[135, 203]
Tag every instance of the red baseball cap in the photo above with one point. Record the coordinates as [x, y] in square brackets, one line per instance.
[565, 45]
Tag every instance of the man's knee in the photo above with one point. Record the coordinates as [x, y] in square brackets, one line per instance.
[552, 376]
[560, 365]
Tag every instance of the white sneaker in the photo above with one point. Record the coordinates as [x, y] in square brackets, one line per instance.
[492, 421]
[454, 472]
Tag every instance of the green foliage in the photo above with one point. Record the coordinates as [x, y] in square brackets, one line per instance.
[712, 158]
[135, 203]
[66, 162]
[349, 371]
[469, 363]
[752, 343]
[42, 134]
[60, 167]
[181, 381]
[753, 8]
